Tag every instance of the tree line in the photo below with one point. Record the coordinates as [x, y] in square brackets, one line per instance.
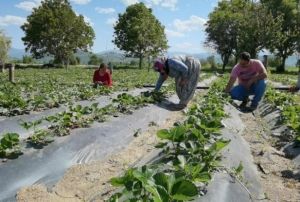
[243, 25]
[54, 29]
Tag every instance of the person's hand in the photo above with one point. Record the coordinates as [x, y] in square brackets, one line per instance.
[249, 84]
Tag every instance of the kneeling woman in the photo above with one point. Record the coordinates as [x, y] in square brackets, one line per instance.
[186, 72]
[102, 77]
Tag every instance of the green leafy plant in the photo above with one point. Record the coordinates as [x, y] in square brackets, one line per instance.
[191, 152]
[146, 184]
[10, 145]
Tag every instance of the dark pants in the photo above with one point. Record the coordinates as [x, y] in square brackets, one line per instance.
[257, 89]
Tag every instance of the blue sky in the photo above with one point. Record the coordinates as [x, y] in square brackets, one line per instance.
[183, 20]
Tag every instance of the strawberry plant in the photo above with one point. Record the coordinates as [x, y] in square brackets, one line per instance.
[39, 89]
[147, 184]
[191, 153]
[10, 145]
[41, 138]
[290, 108]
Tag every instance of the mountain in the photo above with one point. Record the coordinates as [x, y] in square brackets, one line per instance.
[118, 56]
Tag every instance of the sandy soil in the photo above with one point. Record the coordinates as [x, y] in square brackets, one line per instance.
[276, 171]
[90, 182]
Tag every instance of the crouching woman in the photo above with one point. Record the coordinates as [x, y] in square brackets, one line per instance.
[102, 77]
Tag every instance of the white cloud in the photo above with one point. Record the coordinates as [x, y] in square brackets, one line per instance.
[12, 20]
[28, 5]
[172, 33]
[111, 21]
[80, 2]
[105, 10]
[130, 2]
[171, 4]
[194, 23]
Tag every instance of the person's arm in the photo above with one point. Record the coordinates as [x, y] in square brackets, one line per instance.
[159, 82]
[95, 77]
[262, 74]
[233, 77]
[230, 84]
[109, 79]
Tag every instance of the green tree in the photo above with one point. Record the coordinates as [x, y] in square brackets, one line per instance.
[257, 28]
[73, 60]
[78, 61]
[222, 31]
[212, 62]
[238, 25]
[95, 60]
[139, 33]
[5, 44]
[27, 59]
[285, 43]
[54, 29]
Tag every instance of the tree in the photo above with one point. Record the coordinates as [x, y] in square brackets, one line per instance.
[5, 43]
[95, 60]
[222, 31]
[139, 33]
[238, 25]
[54, 29]
[212, 62]
[256, 29]
[27, 59]
[285, 43]
[78, 61]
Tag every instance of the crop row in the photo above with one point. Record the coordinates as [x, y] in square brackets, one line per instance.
[75, 117]
[289, 104]
[190, 155]
[38, 89]
[285, 79]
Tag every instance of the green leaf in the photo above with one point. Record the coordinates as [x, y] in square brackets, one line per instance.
[161, 179]
[184, 190]
[178, 133]
[203, 177]
[161, 145]
[9, 140]
[239, 169]
[219, 145]
[164, 134]
[182, 160]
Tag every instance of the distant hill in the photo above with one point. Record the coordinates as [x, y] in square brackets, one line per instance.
[118, 56]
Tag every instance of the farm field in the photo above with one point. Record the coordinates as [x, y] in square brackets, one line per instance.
[149, 101]
[86, 136]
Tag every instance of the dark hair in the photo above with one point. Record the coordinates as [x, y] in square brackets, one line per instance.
[245, 56]
[102, 65]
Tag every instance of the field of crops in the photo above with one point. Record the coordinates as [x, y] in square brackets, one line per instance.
[176, 175]
[38, 89]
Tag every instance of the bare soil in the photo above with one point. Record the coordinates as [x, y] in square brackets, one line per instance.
[276, 171]
[90, 182]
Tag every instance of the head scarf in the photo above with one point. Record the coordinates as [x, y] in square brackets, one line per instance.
[158, 65]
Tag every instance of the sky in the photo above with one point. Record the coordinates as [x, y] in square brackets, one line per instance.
[184, 20]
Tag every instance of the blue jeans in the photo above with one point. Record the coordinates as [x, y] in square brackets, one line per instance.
[257, 89]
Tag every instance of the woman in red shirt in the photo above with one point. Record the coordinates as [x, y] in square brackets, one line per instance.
[102, 77]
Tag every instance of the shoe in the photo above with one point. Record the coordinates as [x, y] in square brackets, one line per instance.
[253, 107]
[244, 103]
[180, 106]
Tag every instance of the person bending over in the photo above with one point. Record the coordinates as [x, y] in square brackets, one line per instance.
[186, 72]
[251, 75]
